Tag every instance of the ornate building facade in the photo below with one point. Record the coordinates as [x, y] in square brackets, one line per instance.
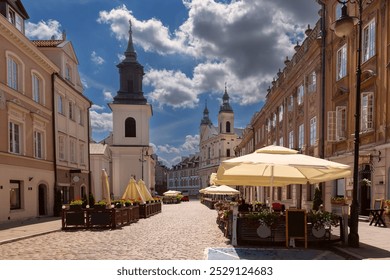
[217, 143]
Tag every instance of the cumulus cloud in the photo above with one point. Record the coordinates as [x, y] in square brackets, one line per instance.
[100, 122]
[191, 144]
[241, 42]
[108, 96]
[98, 60]
[44, 30]
[96, 107]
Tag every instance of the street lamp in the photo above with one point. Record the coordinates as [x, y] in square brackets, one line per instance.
[343, 27]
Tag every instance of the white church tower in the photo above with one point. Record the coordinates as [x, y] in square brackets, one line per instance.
[131, 153]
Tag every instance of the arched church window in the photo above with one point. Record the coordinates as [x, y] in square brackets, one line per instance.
[130, 127]
[227, 127]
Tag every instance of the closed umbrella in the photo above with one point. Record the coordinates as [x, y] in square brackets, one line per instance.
[133, 192]
[144, 190]
[106, 194]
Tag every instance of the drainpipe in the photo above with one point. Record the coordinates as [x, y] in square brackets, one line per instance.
[54, 127]
[89, 155]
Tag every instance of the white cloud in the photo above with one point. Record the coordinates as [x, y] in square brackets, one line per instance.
[108, 96]
[44, 30]
[96, 107]
[101, 122]
[191, 144]
[98, 60]
[242, 43]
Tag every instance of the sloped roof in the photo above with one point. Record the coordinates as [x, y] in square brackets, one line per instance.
[47, 43]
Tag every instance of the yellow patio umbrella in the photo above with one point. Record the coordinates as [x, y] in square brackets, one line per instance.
[106, 195]
[144, 190]
[133, 192]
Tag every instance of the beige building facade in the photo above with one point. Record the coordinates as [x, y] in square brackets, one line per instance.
[26, 153]
[217, 143]
[311, 107]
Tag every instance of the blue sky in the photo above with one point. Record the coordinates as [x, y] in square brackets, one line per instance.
[189, 50]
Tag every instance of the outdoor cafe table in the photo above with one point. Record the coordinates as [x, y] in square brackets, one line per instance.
[377, 217]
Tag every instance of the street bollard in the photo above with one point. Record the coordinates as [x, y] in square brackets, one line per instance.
[234, 226]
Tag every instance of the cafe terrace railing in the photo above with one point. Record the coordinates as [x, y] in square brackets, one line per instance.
[109, 218]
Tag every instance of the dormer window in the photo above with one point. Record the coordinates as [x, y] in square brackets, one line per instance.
[15, 19]
[68, 72]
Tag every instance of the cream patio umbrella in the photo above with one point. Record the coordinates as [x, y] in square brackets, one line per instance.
[171, 193]
[278, 166]
[133, 191]
[222, 190]
[207, 189]
[106, 194]
[144, 190]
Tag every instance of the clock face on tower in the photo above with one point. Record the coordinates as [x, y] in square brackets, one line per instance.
[76, 179]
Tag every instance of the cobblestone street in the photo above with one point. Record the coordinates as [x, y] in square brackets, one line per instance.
[180, 232]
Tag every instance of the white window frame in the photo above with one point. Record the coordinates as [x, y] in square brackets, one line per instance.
[290, 102]
[291, 139]
[312, 82]
[39, 144]
[367, 112]
[300, 94]
[281, 113]
[313, 130]
[61, 147]
[15, 137]
[82, 153]
[68, 72]
[38, 86]
[341, 123]
[368, 42]
[72, 150]
[60, 104]
[301, 136]
[13, 73]
[341, 62]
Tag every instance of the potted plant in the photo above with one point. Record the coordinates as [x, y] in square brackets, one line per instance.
[338, 200]
[267, 220]
[76, 204]
[321, 220]
[101, 204]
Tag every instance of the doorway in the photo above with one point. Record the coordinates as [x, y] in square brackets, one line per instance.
[365, 190]
[42, 199]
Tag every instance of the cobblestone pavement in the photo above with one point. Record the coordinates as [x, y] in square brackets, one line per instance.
[180, 232]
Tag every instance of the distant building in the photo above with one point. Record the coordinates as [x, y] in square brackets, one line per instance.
[161, 177]
[184, 175]
[217, 143]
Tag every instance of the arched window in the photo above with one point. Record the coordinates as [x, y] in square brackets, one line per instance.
[227, 127]
[130, 127]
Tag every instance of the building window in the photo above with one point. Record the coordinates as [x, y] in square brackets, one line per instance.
[37, 88]
[340, 188]
[280, 113]
[228, 152]
[313, 131]
[130, 127]
[337, 124]
[227, 127]
[290, 103]
[15, 195]
[291, 139]
[301, 136]
[72, 150]
[61, 147]
[367, 111]
[300, 95]
[13, 73]
[338, 11]
[281, 141]
[15, 19]
[68, 72]
[279, 193]
[14, 138]
[60, 104]
[81, 117]
[82, 154]
[71, 110]
[289, 192]
[368, 41]
[341, 65]
[312, 82]
[38, 144]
